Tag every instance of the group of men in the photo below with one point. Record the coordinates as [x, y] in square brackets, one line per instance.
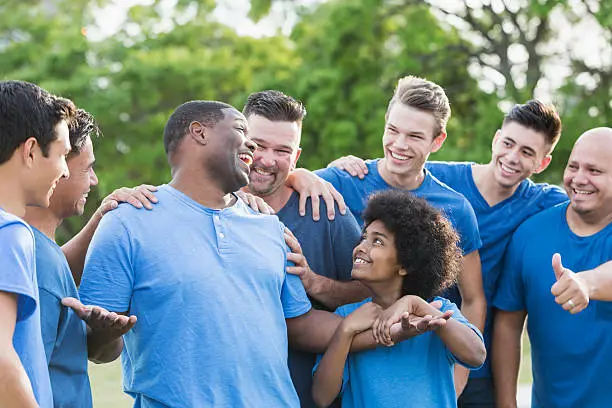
[200, 297]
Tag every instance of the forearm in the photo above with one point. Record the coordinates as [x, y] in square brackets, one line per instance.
[474, 308]
[103, 351]
[599, 282]
[75, 250]
[15, 388]
[333, 293]
[505, 364]
[463, 342]
[327, 380]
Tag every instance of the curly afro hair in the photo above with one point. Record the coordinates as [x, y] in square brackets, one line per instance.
[425, 241]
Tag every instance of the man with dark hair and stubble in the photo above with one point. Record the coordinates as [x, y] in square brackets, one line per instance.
[275, 124]
[68, 341]
[34, 143]
[205, 276]
[502, 196]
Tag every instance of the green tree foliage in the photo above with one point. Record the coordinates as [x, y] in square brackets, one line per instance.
[342, 58]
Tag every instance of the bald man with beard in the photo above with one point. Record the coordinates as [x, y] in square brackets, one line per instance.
[570, 352]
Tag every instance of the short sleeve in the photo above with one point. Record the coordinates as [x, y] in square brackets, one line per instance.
[510, 293]
[458, 316]
[467, 227]
[50, 311]
[293, 295]
[551, 196]
[345, 235]
[108, 277]
[17, 271]
[331, 175]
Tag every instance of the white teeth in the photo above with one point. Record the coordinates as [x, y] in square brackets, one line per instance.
[359, 261]
[262, 172]
[398, 156]
[248, 160]
[508, 169]
[582, 192]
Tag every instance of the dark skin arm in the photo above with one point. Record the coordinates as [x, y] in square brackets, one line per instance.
[105, 330]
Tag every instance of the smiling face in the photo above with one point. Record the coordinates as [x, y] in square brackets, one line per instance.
[517, 153]
[375, 257]
[276, 155]
[588, 175]
[229, 152]
[47, 171]
[70, 195]
[408, 139]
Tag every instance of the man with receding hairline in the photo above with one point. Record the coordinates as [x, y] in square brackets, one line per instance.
[570, 352]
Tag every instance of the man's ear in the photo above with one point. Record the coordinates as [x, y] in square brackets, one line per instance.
[197, 131]
[402, 272]
[438, 141]
[28, 151]
[543, 164]
[297, 157]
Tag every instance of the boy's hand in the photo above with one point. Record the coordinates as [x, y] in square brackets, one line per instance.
[361, 319]
[353, 165]
[256, 203]
[141, 196]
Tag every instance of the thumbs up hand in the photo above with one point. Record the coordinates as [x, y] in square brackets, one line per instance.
[570, 291]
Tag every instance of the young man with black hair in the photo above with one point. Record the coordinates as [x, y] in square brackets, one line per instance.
[34, 143]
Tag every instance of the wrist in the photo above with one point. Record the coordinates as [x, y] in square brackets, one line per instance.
[589, 282]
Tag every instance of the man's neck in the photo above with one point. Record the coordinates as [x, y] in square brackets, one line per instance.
[407, 181]
[201, 189]
[44, 220]
[11, 200]
[585, 225]
[278, 199]
[489, 188]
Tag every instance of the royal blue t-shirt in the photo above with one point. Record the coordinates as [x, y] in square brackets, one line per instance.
[18, 276]
[457, 209]
[495, 223]
[414, 373]
[211, 294]
[64, 334]
[570, 354]
[328, 247]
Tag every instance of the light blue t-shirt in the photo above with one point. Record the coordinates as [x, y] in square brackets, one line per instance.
[18, 276]
[414, 373]
[211, 295]
[64, 334]
[496, 224]
[570, 354]
[457, 209]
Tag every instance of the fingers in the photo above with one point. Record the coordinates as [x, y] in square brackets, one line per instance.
[436, 304]
[314, 199]
[292, 243]
[338, 199]
[108, 205]
[252, 202]
[558, 266]
[138, 197]
[297, 259]
[83, 312]
[302, 204]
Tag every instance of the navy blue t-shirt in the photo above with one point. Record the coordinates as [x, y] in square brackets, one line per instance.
[328, 247]
[64, 334]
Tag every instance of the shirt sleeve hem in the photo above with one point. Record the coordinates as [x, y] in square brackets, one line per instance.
[297, 311]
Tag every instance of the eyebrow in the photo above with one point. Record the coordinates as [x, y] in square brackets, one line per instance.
[508, 138]
[380, 234]
[263, 142]
[413, 132]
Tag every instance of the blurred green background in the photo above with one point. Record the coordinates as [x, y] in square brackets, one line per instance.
[131, 62]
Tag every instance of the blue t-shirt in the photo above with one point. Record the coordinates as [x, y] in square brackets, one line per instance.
[414, 373]
[496, 224]
[456, 208]
[211, 295]
[64, 334]
[18, 276]
[328, 247]
[570, 354]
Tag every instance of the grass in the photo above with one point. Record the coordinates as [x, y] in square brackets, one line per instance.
[108, 392]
